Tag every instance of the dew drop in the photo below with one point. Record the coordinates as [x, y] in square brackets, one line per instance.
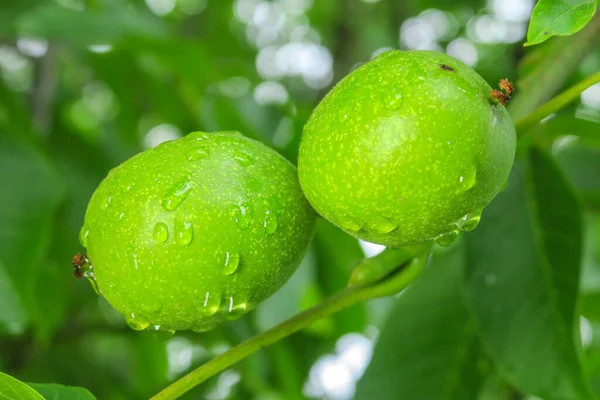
[108, 201]
[176, 195]
[197, 154]
[161, 232]
[394, 102]
[136, 323]
[270, 223]
[469, 221]
[467, 179]
[161, 334]
[152, 307]
[184, 232]
[83, 236]
[243, 159]
[243, 215]
[204, 327]
[210, 304]
[232, 260]
[383, 225]
[197, 136]
[234, 307]
[446, 239]
[91, 277]
[343, 115]
[349, 223]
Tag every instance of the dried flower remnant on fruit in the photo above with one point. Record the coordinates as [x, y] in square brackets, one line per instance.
[79, 262]
[504, 94]
[506, 86]
[447, 68]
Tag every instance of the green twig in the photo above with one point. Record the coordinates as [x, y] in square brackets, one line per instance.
[342, 300]
[526, 123]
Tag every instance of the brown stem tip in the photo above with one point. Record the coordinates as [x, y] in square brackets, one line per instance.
[504, 94]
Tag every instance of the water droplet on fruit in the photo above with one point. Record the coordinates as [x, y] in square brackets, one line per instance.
[446, 239]
[161, 232]
[136, 323]
[197, 154]
[232, 260]
[108, 201]
[91, 277]
[197, 136]
[152, 307]
[176, 195]
[184, 232]
[204, 327]
[210, 304]
[349, 223]
[234, 307]
[467, 179]
[243, 215]
[270, 222]
[469, 221]
[243, 159]
[383, 225]
[83, 236]
[394, 102]
[161, 334]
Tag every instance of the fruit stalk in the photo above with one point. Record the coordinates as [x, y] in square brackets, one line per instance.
[340, 301]
[526, 123]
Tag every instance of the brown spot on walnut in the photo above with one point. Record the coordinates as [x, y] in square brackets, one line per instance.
[447, 68]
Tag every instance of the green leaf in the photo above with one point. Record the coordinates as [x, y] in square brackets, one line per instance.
[558, 18]
[428, 348]
[55, 22]
[13, 389]
[581, 164]
[523, 265]
[52, 391]
[30, 195]
[13, 316]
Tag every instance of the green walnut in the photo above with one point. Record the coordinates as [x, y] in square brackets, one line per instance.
[406, 149]
[196, 231]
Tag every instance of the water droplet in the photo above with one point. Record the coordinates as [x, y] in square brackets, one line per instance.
[490, 279]
[161, 334]
[234, 307]
[349, 223]
[152, 307]
[197, 154]
[210, 304]
[108, 201]
[91, 277]
[446, 239]
[270, 222]
[198, 136]
[205, 327]
[121, 215]
[129, 187]
[136, 323]
[394, 102]
[184, 232]
[161, 232]
[343, 115]
[243, 215]
[243, 159]
[176, 195]
[83, 236]
[383, 225]
[232, 260]
[467, 179]
[469, 221]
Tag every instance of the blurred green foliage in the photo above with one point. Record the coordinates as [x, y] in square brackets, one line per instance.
[86, 84]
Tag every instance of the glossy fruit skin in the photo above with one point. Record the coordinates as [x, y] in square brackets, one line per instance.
[196, 231]
[404, 147]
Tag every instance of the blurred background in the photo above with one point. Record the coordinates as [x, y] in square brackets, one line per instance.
[85, 84]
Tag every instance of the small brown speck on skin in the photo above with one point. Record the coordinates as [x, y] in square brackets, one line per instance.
[447, 68]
